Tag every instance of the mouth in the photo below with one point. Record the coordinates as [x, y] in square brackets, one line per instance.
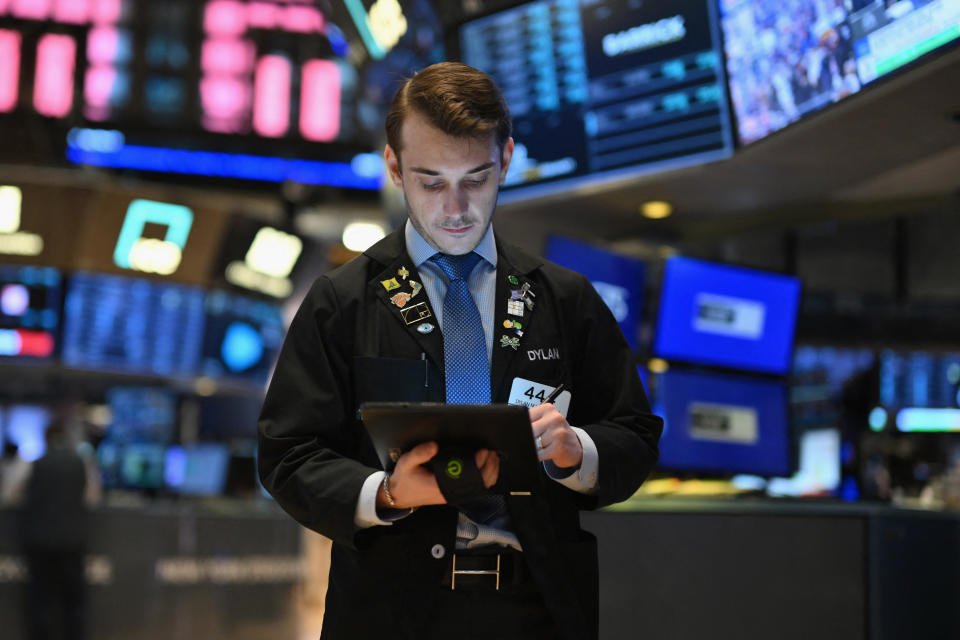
[457, 231]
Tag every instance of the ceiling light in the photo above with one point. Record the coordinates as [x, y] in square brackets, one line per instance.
[656, 209]
[358, 236]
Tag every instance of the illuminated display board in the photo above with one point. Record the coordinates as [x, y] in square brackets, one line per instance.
[224, 88]
[794, 57]
[29, 311]
[257, 257]
[132, 325]
[603, 89]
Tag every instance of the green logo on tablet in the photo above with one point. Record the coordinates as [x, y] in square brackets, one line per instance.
[454, 468]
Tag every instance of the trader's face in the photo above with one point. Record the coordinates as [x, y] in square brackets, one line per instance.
[450, 184]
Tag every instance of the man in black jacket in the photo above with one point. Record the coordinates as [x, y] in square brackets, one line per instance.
[373, 330]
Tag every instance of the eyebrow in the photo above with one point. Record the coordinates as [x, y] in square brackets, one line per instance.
[431, 172]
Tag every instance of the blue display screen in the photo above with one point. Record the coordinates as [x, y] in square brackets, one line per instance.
[618, 279]
[243, 337]
[142, 414]
[197, 470]
[723, 424]
[132, 325]
[726, 316]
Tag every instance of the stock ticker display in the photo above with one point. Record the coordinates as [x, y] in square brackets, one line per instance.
[132, 325]
[602, 89]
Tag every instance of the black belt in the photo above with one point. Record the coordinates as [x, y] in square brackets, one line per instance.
[502, 571]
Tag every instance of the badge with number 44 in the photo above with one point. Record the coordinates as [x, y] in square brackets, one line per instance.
[529, 394]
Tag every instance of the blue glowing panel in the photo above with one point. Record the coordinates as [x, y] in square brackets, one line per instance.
[29, 311]
[618, 279]
[198, 470]
[726, 316]
[25, 426]
[723, 424]
[132, 325]
[243, 337]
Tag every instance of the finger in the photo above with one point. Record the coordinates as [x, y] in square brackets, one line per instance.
[480, 457]
[538, 411]
[420, 454]
[490, 471]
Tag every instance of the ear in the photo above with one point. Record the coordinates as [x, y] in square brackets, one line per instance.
[505, 156]
[392, 160]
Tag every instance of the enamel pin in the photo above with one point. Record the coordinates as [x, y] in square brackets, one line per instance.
[390, 284]
[416, 313]
[507, 341]
[425, 328]
[515, 308]
[403, 273]
[400, 299]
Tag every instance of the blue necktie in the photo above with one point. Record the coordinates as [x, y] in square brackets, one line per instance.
[466, 363]
[465, 360]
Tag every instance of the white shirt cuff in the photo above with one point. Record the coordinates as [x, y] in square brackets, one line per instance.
[366, 513]
[583, 480]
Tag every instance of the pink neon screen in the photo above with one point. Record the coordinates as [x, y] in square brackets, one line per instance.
[9, 69]
[53, 87]
[320, 101]
[271, 102]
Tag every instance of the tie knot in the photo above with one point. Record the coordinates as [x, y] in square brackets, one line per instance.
[456, 267]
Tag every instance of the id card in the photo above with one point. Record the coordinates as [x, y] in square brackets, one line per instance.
[529, 394]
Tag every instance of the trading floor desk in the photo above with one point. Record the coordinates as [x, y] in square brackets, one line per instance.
[178, 571]
[759, 569]
[670, 569]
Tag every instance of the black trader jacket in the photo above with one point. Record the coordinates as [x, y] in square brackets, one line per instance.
[348, 343]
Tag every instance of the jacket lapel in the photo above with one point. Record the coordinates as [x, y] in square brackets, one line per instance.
[514, 308]
[400, 290]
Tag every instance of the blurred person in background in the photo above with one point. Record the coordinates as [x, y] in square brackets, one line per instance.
[58, 490]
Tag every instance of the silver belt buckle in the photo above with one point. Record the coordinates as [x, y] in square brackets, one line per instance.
[454, 572]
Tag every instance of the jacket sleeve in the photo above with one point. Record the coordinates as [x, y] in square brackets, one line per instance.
[609, 401]
[309, 443]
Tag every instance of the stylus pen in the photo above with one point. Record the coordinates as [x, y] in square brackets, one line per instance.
[553, 394]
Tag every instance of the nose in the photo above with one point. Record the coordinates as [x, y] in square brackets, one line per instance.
[455, 200]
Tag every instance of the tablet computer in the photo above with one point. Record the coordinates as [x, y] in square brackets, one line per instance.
[396, 427]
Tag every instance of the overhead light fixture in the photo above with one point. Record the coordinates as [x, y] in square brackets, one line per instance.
[359, 236]
[657, 365]
[656, 209]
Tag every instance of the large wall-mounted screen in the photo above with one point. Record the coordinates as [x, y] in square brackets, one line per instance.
[723, 424]
[603, 89]
[132, 325]
[726, 316]
[265, 90]
[789, 58]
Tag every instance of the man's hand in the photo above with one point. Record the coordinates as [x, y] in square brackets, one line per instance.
[413, 485]
[556, 439]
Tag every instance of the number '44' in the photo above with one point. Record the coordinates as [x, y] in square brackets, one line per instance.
[542, 396]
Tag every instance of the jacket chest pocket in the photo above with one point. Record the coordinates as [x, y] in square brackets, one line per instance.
[379, 379]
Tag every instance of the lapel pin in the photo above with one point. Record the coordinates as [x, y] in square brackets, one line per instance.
[513, 280]
[507, 341]
[415, 288]
[416, 313]
[390, 284]
[403, 273]
[515, 308]
[425, 328]
[400, 299]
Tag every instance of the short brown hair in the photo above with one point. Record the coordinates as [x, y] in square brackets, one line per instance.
[455, 98]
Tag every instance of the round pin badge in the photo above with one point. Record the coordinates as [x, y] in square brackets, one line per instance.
[425, 328]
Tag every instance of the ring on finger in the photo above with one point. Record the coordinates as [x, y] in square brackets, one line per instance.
[539, 442]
